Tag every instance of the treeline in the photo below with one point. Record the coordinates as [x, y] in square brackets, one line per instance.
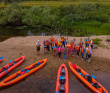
[78, 20]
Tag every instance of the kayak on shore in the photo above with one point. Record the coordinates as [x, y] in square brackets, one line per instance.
[62, 84]
[10, 66]
[91, 82]
[14, 78]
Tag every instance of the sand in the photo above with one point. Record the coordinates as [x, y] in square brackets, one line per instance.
[44, 80]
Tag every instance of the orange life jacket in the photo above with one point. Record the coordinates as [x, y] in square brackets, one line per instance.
[71, 43]
[56, 42]
[60, 49]
[63, 39]
[80, 43]
[88, 51]
[51, 39]
[59, 44]
[38, 45]
[74, 46]
[54, 47]
[78, 48]
[82, 50]
[87, 41]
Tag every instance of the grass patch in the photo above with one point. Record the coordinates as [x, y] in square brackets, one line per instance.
[108, 40]
[97, 41]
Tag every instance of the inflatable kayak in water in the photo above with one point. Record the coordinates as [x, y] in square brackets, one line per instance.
[87, 79]
[62, 85]
[10, 66]
[14, 78]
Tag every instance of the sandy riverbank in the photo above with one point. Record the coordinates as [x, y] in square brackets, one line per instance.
[44, 80]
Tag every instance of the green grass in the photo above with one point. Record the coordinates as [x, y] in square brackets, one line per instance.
[97, 41]
[57, 3]
[108, 40]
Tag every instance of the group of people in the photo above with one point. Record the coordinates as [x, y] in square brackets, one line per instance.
[70, 47]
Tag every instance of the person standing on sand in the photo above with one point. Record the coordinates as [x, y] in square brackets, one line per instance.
[62, 40]
[81, 43]
[89, 51]
[51, 42]
[82, 52]
[91, 43]
[87, 42]
[54, 49]
[45, 46]
[78, 50]
[60, 51]
[38, 47]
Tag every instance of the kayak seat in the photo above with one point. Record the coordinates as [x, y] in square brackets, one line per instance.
[63, 72]
[62, 89]
[89, 79]
[62, 81]
[78, 70]
[95, 85]
[14, 61]
[37, 64]
[18, 75]
[3, 69]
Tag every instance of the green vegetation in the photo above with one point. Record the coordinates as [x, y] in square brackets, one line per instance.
[75, 19]
[108, 40]
[97, 41]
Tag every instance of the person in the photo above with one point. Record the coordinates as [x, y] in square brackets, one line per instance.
[51, 42]
[82, 52]
[59, 43]
[60, 51]
[91, 43]
[89, 51]
[81, 43]
[62, 40]
[54, 49]
[74, 41]
[38, 47]
[45, 46]
[69, 49]
[87, 42]
[48, 46]
[78, 50]
[56, 42]
[74, 49]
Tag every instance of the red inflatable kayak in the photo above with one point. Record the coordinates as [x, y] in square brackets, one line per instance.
[14, 78]
[95, 86]
[62, 85]
[10, 66]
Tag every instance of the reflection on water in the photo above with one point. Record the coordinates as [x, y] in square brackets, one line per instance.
[6, 33]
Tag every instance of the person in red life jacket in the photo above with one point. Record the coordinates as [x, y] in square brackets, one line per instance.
[38, 47]
[69, 49]
[87, 42]
[60, 51]
[56, 42]
[82, 52]
[81, 43]
[74, 49]
[78, 50]
[91, 43]
[54, 49]
[48, 46]
[89, 51]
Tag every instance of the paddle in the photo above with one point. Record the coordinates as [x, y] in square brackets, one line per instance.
[1, 57]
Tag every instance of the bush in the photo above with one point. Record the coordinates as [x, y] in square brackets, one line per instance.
[97, 41]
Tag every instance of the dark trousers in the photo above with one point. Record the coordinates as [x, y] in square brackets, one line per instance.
[59, 54]
[78, 52]
[86, 55]
[82, 54]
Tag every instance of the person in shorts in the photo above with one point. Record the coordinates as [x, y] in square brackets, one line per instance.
[38, 47]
